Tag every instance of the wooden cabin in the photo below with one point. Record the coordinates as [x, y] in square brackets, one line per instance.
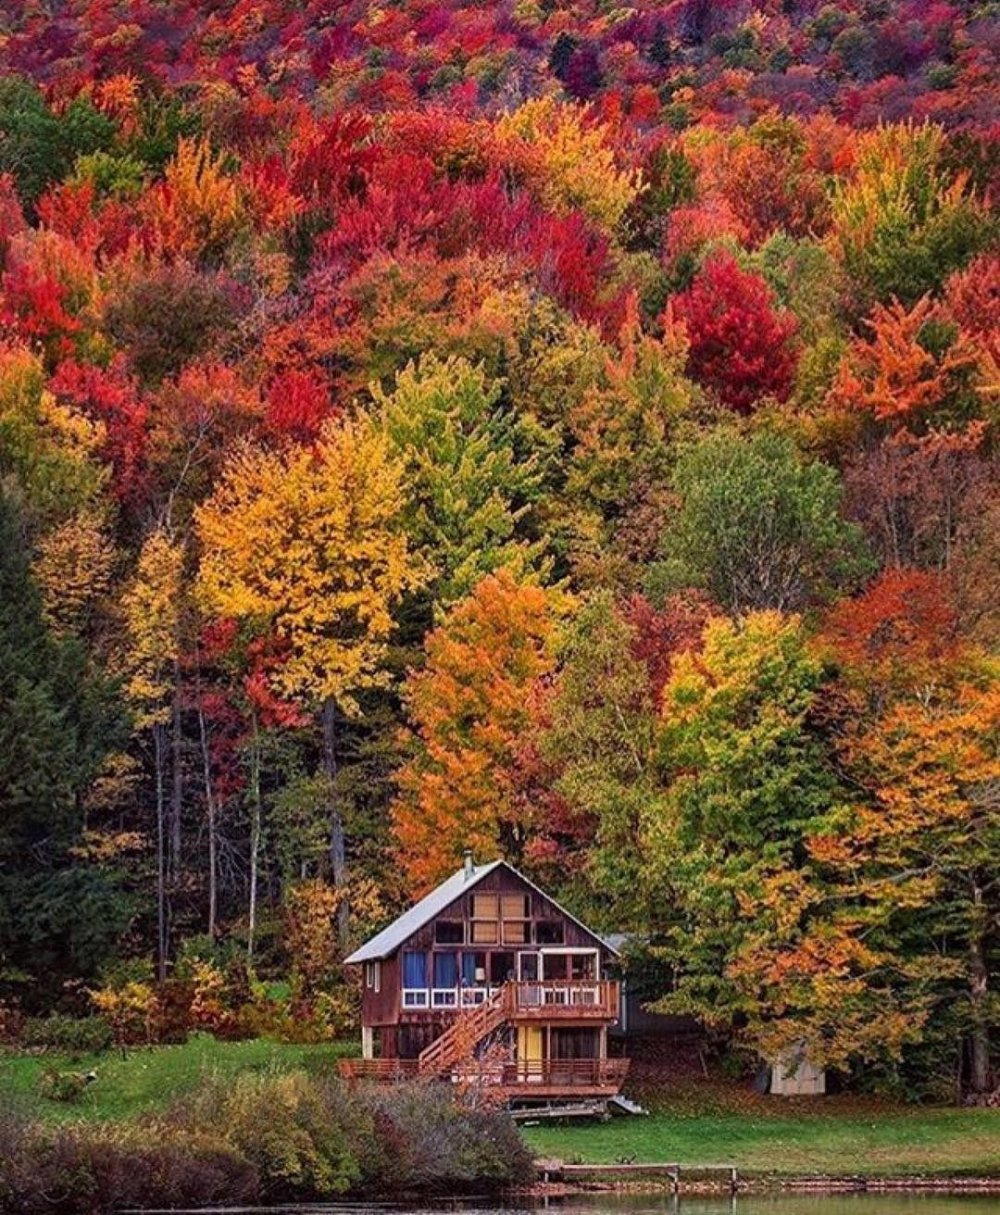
[487, 978]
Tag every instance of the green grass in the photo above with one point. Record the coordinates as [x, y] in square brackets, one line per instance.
[799, 1136]
[694, 1121]
[149, 1079]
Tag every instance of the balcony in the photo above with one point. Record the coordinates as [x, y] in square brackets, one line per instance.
[562, 999]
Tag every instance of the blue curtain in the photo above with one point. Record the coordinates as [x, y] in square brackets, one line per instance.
[445, 970]
[414, 970]
[469, 969]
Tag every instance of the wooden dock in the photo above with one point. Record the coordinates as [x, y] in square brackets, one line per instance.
[672, 1171]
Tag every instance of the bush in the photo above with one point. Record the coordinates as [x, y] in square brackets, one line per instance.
[304, 1136]
[169, 315]
[432, 1143]
[69, 1035]
[272, 1137]
[98, 1169]
[67, 1087]
[131, 1010]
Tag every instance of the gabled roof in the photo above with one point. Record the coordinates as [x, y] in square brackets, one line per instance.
[399, 931]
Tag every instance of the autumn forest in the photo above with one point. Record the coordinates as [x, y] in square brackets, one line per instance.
[560, 429]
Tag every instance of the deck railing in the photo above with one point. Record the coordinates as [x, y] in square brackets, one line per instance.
[554, 999]
[385, 1071]
[518, 1075]
[604, 1074]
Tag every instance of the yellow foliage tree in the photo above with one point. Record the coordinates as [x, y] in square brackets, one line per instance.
[573, 158]
[51, 450]
[152, 609]
[73, 569]
[306, 545]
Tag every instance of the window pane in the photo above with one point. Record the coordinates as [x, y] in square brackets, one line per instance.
[449, 932]
[471, 962]
[501, 968]
[583, 966]
[516, 907]
[555, 966]
[445, 970]
[484, 932]
[414, 970]
[484, 906]
[516, 932]
[549, 932]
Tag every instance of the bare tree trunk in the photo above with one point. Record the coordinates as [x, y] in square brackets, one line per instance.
[177, 786]
[338, 848]
[979, 1040]
[161, 861]
[213, 839]
[255, 832]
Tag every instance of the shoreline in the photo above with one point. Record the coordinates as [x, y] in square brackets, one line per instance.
[812, 1184]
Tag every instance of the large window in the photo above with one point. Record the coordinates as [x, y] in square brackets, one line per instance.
[501, 968]
[575, 1044]
[415, 990]
[473, 969]
[549, 932]
[445, 992]
[445, 970]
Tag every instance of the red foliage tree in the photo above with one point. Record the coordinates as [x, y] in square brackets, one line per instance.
[298, 402]
[112, 396]
[660, 635]
[741, 346]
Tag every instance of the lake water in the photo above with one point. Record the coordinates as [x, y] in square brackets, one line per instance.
[785, 1204]
[667, 1204]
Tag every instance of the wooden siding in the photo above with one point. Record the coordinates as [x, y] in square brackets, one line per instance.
[383, 1008]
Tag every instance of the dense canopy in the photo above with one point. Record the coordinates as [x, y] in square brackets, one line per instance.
[562, 429]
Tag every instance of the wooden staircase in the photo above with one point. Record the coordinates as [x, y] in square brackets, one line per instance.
[459, 1041]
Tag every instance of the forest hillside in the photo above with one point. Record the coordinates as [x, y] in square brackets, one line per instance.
[562, 430]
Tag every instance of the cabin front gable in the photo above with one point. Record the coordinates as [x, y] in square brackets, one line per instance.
[498, 929]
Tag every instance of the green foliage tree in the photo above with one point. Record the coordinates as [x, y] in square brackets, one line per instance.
[758, 526]
[37, 146]
[902, 221]
[744, 778]
[58, 721]
[470, 482]
[599, 736]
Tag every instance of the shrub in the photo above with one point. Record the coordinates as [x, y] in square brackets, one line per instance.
[67, 1087]
[170, 314]
[302, 1135]
[431, 1142]
[70, 1035]
[97, 1169]
[130, 1010]
[261, 1137]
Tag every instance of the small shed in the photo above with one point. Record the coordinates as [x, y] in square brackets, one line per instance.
[792, 1075]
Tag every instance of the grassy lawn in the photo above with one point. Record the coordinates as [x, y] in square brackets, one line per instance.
[149, 1079]
[792, 1136]
[699, 1122]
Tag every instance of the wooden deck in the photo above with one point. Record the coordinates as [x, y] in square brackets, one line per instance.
[541, 1080]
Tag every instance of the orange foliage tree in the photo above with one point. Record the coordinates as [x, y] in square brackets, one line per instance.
[468, 708]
